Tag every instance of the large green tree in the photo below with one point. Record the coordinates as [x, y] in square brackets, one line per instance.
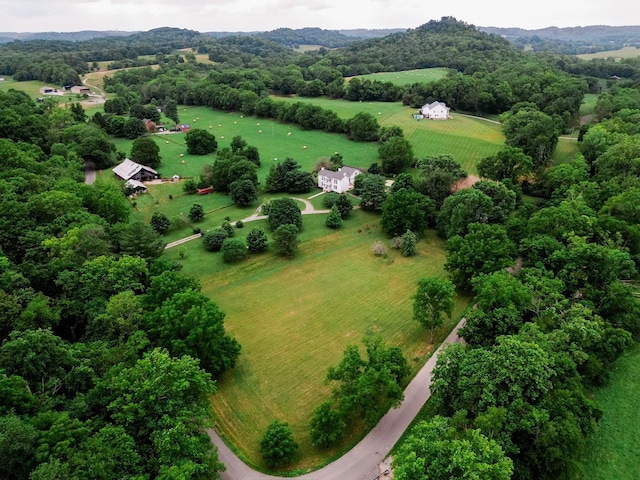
[435, 450]
[284, 211]
[146, 152]
[485, 249]
[407, 210]
[188, 323]
[200, 142]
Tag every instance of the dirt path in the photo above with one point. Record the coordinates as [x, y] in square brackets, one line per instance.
[367, 459]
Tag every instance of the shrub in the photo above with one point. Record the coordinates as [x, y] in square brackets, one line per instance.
[379, 249]
[196, 213]
[160, 223]
[226, 226]
[213, 239]
[334, 220]
[396, 243]
[257, 241]
[239, 224]
[233, 250]
[278, 447]
[409, 244]
[190, 187]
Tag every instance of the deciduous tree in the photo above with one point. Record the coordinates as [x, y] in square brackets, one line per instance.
[433, 299]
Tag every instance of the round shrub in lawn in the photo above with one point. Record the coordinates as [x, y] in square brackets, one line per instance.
[243, 192]
[213, 239]
[239, 224]
[284, 211]
[257, 240]
[160, 223]
[233, 250]
[226, 226]
[200, 142]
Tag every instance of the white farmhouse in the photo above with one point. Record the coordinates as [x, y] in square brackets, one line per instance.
[340, 181]
[435, 111]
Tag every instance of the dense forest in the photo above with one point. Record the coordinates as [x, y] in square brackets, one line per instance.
[109, 354]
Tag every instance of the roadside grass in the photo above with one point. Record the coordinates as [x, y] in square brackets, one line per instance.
[613, 452]
[294, 318]
[468, 139]
[625, 52]
[407, 77]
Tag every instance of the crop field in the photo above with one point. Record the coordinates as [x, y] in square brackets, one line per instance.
[407, 77]
[614, 450]
[625, 52]
[467, 139]
[295, 317]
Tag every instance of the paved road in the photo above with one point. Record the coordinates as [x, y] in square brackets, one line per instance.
[362, 462]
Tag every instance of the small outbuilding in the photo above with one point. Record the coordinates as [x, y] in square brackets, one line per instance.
[80, 90]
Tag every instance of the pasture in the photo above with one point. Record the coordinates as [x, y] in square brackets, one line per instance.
[468, 139]
[294, 318]
[407, 77]
[613, 451]
[625, 52]
[275, 142]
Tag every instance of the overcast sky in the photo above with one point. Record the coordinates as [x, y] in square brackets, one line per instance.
[263, 15]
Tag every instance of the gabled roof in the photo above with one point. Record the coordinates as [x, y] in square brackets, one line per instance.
[331, 174]
[435, 104]
[129, 168]
[349, 170]
[135, 184]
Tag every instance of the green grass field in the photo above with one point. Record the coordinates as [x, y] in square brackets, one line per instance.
[625, 52]
[407, 77]
[613, 452]
[294, 318]
[468, 139]
[274, 141]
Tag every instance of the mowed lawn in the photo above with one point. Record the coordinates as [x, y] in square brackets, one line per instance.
[625, 52]
[613, 452]
[468, 139]
[407, 77]
[295, 317]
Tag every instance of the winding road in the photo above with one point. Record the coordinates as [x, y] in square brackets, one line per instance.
[366, 460]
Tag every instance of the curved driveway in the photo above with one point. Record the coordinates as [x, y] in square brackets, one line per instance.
[362, 462]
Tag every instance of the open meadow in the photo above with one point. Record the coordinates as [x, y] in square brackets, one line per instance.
[294, 318]
[468, 139]
[625, 52]
[407, 77]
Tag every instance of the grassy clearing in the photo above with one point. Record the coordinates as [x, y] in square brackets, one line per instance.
[613, 452]
[588, 104]
[332, 294]
[625, 52]
[565, 151]
[407, 77]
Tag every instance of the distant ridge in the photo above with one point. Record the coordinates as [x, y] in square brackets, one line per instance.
[6, 37]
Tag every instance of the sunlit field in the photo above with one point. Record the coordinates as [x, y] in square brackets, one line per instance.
[295, 317]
